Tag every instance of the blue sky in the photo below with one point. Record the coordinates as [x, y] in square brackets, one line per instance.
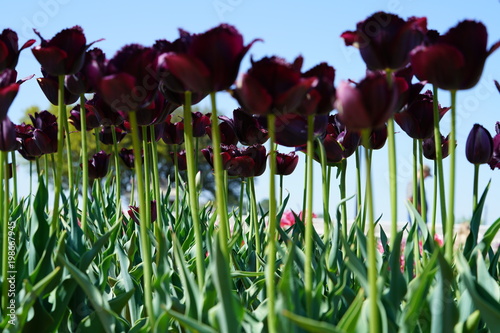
[288, 28]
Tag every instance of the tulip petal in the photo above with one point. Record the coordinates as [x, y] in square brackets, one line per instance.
[293, 97]
[192, 72]
[349, 103]
[253, 96]
[52, 59]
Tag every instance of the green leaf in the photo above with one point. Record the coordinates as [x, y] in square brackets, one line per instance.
[349, 320]
[488, 237]
[311, 325]
[190, 323]
[475, 222]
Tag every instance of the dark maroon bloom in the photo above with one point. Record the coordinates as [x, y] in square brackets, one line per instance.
[8, 140]
[273, 86]
[28, 148]
[91, 119]
[86, 79]
[45, 131]
[417, 120]
[368, 104]
[291, 128]
[64, 54]
[206, 62]
[249, 130]
[429, 147]
[410, 91]
[98, 165]
[455, 60]
[173, 133]
[227, 133]
[106, 134]
[338, 141]
[247, 162]
[200, 123]
[8, 90]
[378, 137]
[50, 87]
[479, 145]
[386, 40]
[130, 81]
[104, 113]
[155, 113]
[286, 163]
[133, 212]
[321, 98]
[9, 49]
[181, 159]
[495, 158]
[127, 157]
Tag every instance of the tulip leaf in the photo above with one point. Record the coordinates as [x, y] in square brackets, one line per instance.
[190, 323]
[349, 319]
[489, 236]
[475, 222]
[311, 325]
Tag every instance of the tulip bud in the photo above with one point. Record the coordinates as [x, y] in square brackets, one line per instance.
[479, 145]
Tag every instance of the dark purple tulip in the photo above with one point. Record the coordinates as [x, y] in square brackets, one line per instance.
[429, 147]
[206, 62]
[291, 128]
[28, 148]
[8, 90]
[63, 54]
[155, 113]
[200, 123]
[91, 119]
[273, 86]
[247, 162]
[455, 60]
[45, 131]
[410, 91]
[9, 49]
[286, 163]
[249, 130]
[8, 140]
[377, 139]
[127, 157]
[181, 159]
[173, 133]
[479, 145]
[104, 113]
[321, 98]
[417, 120]
[133, 212]
[386, 40]
[106, 135]
[130, 81]
[369, 104]
[98, 165]
[339, 143]
[85, 81]
[227, 133]
[495, 158]
[50, 87]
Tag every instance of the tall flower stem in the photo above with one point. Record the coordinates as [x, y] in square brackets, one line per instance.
[147, 174]
[254, 222]
[177, 185]
[439, 157]
[118, 179]
[54, 226]
[281, 190]
[97, 142]
[358, 185]
[391, 142]
[4, 205]
[325, 189]
[220, 195]
[193, 197]
[423, 200]
[85, 166]
[156, 194]
[144, 236]
[308, 269]
[475, 187]
[415, 175]
[434, 201]
[342, 188]
[14, 178]
[271, 243]
[450, 222]
[371, 243]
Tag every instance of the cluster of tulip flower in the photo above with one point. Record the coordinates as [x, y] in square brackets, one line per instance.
[137, 89]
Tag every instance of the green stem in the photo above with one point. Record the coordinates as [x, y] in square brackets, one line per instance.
[281, 189]
[157, 194]
[434, 202]
[254, 222]
[85, 166]
[144, 236]
[177, 185]
[326, 195]
[391, 142]
[97, 141]
[415, 176]
[371, 243]
[132, 188]
[475, 190]
[342, 188]
[308, 269]
[220, 196]
[271, 244]
[54, 226]
[439, 158]
[358, 185]
[147, 174]
[118, 180]
[451, 195]
[193, 197]
[14, 178]
[4, 199]
[423, 200]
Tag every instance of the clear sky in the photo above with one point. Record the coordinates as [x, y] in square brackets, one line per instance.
[288, 28]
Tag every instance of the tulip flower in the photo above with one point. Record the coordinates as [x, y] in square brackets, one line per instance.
[127, 157]
[249, 130]
[377, 139]
[91, 118]
[479, 145]
[28, 147]
[200, 123]
[227, 133]
[155, 113]
[8, 90]
[429, 147]
[455, 60]
[273, 86]
[245, 162]
[106, 135]
[291, 128]
[104, 113]
[181, 159]
[338, 141]
[130, 81]
[409, 92]
[133, 212]
[86, 79]
[63, 54]
[50, 87]
[9, 49]
[206, 62]
[286, 163]
[417, 120]
[98, 165]
[321, 98]
[386, 40]
[173, 133]
[495, 158]
[8, 140]
[45, 131]
[368, 104]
